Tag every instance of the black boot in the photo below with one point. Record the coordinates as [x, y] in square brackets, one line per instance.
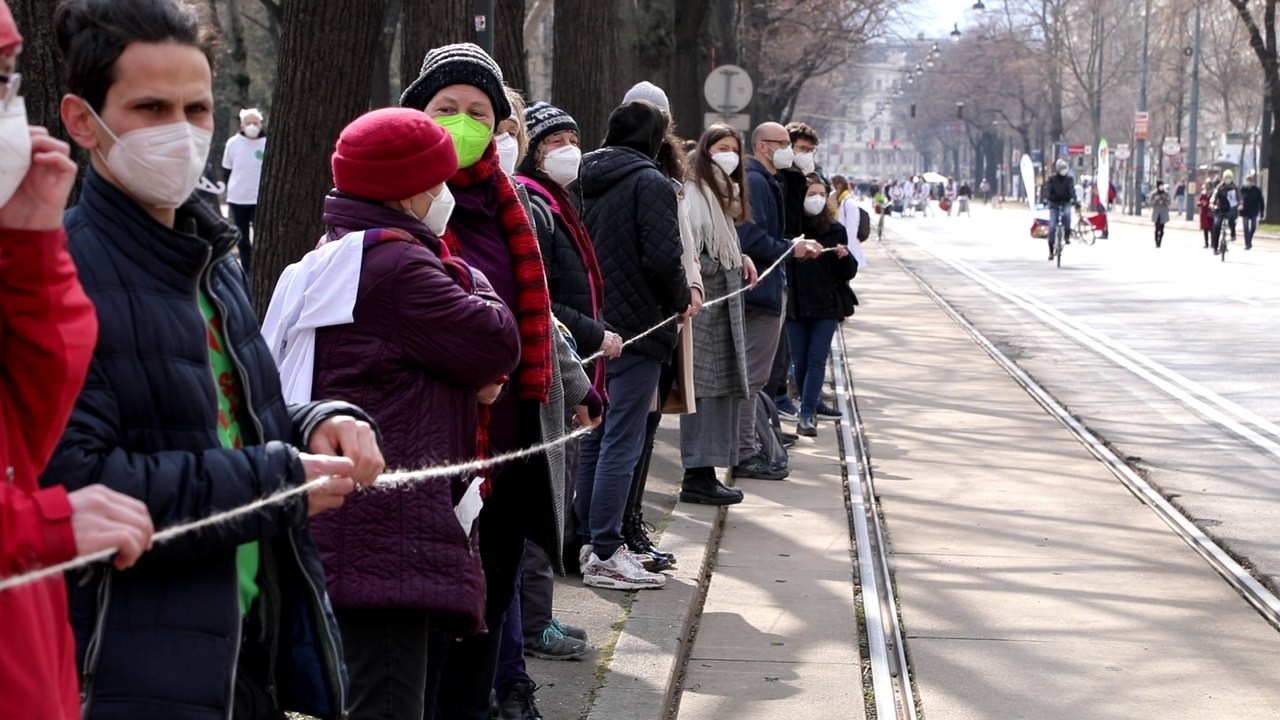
[635, 533]
[701, 486]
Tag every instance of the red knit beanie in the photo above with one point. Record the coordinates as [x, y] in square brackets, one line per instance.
[10, 40]
[392, 154]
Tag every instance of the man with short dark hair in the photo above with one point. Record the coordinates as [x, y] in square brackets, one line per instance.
[183, 409]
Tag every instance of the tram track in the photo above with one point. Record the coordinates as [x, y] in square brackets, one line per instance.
[892, 693]
[1237, 576]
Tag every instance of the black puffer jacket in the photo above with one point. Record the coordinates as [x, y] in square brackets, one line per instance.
[567, 279]
[819, 288]
[630, 211]
[162, 638]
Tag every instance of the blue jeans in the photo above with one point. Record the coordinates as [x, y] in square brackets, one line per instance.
[1250, 226]
[610, 454]
[810, 341]
[1058, 213]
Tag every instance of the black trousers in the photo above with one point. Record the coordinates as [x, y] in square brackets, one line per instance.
[244, 216]
[394, 659]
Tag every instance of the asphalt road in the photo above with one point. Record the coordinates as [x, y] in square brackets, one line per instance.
[1168, 354]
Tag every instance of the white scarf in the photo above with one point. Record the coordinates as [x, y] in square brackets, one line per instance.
[711, 227]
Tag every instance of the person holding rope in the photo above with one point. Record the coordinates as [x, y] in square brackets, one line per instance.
[461, 88]
[47, 326]
[183, 407]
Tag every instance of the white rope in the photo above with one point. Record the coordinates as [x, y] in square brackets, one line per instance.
[397, 479]
[745, 288]
[400, 479]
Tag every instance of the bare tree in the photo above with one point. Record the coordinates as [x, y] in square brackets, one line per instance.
[509, 43]
[427, 24]
[43, 84]
[296, 175]
[1262, 38]
[380, 86]
[687, 75]
[585, 76]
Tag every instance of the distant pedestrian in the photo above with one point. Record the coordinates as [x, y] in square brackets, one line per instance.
[1226, 208]
[1203, 205]
[1180, 197]
[242, 159]
[1252, 207]
[1159, 202]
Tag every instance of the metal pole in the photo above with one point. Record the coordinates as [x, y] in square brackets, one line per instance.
[1142, 107]
[1192, 182]
[484, 25]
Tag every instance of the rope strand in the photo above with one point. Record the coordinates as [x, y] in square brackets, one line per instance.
[387, 481]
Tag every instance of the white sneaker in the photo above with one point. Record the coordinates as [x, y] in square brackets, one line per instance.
[584, 556]
[622, 571]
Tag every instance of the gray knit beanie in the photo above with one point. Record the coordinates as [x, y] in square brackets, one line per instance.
[646, 90]
[458, 64]
[543, 120]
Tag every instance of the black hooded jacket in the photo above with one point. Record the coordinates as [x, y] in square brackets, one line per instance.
[629, 209]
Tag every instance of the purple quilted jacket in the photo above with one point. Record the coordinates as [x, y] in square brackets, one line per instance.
[418, 349]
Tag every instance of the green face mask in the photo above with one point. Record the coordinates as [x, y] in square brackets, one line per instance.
[470, 137]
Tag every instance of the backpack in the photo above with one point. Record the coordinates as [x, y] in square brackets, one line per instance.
[769, 430]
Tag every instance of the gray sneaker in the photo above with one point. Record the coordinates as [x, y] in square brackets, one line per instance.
[551, 644]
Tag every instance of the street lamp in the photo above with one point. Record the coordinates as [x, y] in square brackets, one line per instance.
[935, 50]
[919, 69]
[979, 8]
[955, 32]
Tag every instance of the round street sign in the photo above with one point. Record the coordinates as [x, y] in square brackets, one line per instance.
[1171, 147]
[728, 89]
[1121, 152]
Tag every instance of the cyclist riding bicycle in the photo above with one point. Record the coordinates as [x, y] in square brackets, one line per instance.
[1059, 194]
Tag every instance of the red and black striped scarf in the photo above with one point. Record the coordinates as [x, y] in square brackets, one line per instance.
[533, 304]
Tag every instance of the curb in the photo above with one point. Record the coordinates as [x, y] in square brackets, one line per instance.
[643, 678]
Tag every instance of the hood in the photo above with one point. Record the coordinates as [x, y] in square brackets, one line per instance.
[607, 167]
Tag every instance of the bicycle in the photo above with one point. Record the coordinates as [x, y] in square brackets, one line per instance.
[883, 210]
[1061, 238]
[1084, 230]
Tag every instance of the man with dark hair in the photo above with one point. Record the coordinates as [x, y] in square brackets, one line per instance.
[183, 409]
[804, 142]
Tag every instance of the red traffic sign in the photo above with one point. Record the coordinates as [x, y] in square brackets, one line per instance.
[1075, 149]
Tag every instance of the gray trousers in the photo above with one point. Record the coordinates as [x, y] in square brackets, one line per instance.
[763, 332]
[709, 437]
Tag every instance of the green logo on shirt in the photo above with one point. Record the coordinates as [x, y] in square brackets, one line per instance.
[258, 154]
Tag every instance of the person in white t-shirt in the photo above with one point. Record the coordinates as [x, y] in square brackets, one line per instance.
[242, 159]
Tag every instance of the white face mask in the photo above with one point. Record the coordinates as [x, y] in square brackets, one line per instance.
[562, 164]
[815, 204]
[783, 158]
[508, 150]
[252, 131]
[15, 149]
[437, 217]
[728, 161]
[158, 166]
[805, 162]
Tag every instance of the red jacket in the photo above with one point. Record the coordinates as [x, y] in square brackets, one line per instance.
[47, 333]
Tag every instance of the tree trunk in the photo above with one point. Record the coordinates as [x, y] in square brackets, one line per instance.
[42, 81]
[584, 68]
[688, 74]
[509, 44]
[313, 101]
[428, 24]
[380, 85]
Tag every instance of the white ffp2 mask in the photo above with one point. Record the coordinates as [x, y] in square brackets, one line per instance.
[437, 217]
[508, 151]
[159, 165]
[15, 149]
[728, 161]
[562, 164]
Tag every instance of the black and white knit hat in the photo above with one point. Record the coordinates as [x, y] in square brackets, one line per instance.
[458, 64]
[543, 120]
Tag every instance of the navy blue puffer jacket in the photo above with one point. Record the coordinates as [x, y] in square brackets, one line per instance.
[162, 638]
